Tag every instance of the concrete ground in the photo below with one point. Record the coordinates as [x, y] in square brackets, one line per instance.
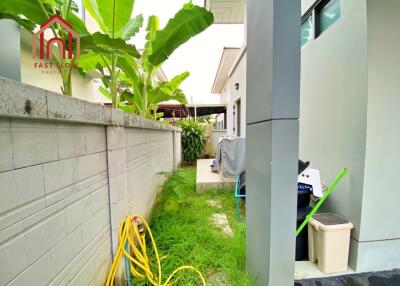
[384, 278]
[309, 270]
[206, 179]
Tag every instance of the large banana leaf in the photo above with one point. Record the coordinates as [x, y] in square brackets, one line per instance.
[30, 26]
[35, 13]
[131, 28]
[105, 92]
[91, 7]
[171, 86]
[187, 23]
[104, 44]
[91, 61]
[152, 28]
[111, 15]
[77, 24]
[31, 9]
[155, 96]
[129, 68]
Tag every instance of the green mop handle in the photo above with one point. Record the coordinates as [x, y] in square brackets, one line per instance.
[322, 200]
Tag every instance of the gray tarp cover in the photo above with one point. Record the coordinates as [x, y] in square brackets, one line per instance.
[231, 156]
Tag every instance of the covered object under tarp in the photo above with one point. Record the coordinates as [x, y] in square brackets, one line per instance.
[231, 156]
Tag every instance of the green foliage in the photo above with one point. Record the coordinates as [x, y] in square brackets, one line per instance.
[188, 22]
[193, 139]
[29, 13]
[104, 45]
[114, 19]
[32, 10]
[145, 93]
[132, 84]
[181, 226]
[129, 78]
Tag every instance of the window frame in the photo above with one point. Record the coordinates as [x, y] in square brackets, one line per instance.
[317, 10]
[312, 11]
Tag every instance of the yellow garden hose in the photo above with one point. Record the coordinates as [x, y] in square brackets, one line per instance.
[132, 232]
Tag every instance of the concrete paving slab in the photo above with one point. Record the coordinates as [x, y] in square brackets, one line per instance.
[206, 179]
[214, 203]
[221, 221]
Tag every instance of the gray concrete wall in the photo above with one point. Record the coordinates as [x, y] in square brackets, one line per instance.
[349, 114]
[333, 107]
[137, 159]
[69, 171]
[380, 230]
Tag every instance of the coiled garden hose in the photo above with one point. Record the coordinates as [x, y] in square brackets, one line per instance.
[132, 244]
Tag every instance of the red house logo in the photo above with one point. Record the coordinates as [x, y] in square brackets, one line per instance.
[46, 51]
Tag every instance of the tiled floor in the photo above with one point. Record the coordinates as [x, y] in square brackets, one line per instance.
[383, 278]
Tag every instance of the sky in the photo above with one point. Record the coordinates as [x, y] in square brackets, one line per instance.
[200, 55]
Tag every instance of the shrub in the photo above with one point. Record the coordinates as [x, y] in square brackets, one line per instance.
[193, 139]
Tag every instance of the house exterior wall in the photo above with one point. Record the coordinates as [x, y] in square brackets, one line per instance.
[239, 76]
[230, 96]
[333, 107]
[82, 88]
[10, 49]
[69, 171]
[348, 118]
[380, 229]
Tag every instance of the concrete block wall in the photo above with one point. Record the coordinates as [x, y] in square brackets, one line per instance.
[138, 159]
[53, 202]
[69, 171]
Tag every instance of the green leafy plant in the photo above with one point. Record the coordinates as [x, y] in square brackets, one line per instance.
[187, 23]
[30, 13]
[193, 139]
[131, 82]
[114, 20]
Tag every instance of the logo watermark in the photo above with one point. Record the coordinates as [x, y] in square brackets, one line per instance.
[64, 46]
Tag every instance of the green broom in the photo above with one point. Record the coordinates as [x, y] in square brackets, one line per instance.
[322, 200]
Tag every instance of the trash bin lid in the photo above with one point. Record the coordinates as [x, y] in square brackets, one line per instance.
[330, 221]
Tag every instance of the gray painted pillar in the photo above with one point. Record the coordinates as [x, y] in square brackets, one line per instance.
[273, 72]
[10, 47]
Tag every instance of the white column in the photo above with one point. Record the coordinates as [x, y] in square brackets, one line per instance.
[273, 72]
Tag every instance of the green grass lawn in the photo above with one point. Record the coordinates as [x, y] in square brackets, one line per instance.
[181, 225]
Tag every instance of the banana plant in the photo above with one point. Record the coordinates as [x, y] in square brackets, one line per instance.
[187, 23]
[30, 13]
[114, 20]
[144, 100]
[134, 88]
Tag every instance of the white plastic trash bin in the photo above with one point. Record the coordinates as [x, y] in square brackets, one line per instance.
[329, 242]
